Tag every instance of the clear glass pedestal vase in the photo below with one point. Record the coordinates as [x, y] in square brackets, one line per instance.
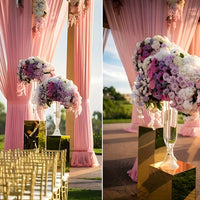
[35, 115]
[57, 118]
[156, 120]
[169, 136]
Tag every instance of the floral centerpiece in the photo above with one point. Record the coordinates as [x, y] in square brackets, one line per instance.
[34, 68]
[169, 75]
[60, 90]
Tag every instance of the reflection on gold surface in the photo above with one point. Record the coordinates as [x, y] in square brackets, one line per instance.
[176, 184]
[34, 134]
[155, 183]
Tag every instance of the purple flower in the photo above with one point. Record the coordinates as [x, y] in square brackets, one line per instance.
[172, 65]
[164, 97]
[152, 84]
[179, 100]
[172, 79]
[159, 88]
[145, 54]
[166, 91]
[166, 77]
[174, 70]
[160, 77]
[165, 69]
[183, 84]
[180, 78]
[151, 41]
[140, 51]
[171, 95]
[145, 99]
[173, 104]
[168, 59]
[155, 62]
[161, 63]
[198, 85]
[147, 47]
[179, 107]
[174, 87]
[190, 84]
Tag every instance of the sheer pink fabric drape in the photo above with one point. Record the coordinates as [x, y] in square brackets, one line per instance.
[132, 22]
[192, 128]
[105, 37]
[83, 155]
[17, 42]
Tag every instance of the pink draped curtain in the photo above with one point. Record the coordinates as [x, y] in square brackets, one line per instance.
[185, 28]
[83, 155]
[17, 42]
[192, 128]
[105, 37]
[130, 23]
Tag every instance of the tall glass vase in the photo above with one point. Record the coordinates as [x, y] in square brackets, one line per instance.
[57, 117]
[35, 115]
[169, 136]
[156, 120]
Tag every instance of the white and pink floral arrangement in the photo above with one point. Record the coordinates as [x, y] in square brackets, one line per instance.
[40, 10]
[166, 73]
[75, 7]
[34, 68]
[60, 90]
[175, 12]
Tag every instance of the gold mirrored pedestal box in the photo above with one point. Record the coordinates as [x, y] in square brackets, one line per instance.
[152, 149]
[176, 184]
[34, 134]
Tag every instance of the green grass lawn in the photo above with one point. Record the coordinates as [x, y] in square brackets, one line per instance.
[98, 151]
[114, 121]
[80, 194]
[2, 142]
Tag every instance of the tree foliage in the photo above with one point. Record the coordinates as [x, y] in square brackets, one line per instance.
[111, 93]
[2, 119]
[97, 129]
[115, 106]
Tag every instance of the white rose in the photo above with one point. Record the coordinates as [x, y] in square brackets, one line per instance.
[147, 40]
[138, 45]
[155, 45]
[22, 62]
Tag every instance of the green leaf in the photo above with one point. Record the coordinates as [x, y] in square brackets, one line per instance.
[181, 55]
[159, 106]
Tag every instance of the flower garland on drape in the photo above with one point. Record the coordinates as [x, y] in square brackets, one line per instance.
[39, 10]
[175, 11]
[75, 8]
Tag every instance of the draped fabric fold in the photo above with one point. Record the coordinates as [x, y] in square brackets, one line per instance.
[83, 155]
[105, 37]
[17, 41]
[185, 29]
[192, 128]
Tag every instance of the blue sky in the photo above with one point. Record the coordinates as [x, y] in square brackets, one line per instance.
[113, 71]
[59, 60]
